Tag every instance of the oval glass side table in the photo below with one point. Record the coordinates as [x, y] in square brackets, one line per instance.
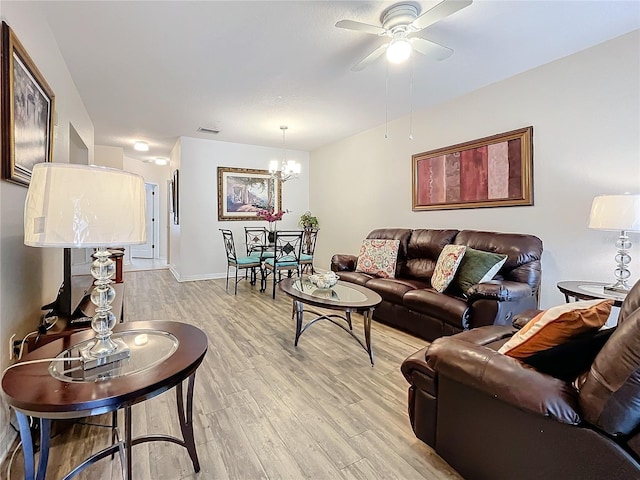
[163, 355]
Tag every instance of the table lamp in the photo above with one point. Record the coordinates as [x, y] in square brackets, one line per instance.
[83, 206]
[619, 213]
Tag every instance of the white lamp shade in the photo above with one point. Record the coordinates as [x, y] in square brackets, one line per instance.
[80, 206]
[615, 212]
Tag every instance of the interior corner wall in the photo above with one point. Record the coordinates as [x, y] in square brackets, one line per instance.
[158, 174]
[585, 112]
[201, 253]
[106, 156]
[30, 277]
[173, 247]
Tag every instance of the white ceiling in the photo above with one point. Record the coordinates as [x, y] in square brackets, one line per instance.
[158, 70]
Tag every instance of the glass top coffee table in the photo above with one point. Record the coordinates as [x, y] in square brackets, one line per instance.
[343, 296]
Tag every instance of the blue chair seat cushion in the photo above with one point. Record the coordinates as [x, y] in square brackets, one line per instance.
[305, 257]
[259, 254]
[286, 261]
[247, 261]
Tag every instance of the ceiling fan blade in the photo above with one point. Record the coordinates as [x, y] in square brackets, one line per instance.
[361, 27]
[437, 13]
[369, 59]
[430, 49]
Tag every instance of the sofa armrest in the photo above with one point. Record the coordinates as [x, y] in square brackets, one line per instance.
[341, 262]
[485, 335]
[499, 290]
[505, 379]
[416, 362]
[477, 336]
[524, 317]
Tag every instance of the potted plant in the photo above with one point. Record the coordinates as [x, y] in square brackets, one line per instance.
[308, 221]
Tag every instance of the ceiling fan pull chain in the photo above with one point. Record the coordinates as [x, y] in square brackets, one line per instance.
[386, 102]
[411, 99]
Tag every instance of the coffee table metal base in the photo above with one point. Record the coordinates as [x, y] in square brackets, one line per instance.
[122, 447]
[298, 313]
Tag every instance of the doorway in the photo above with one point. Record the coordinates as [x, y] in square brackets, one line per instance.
[148, 250]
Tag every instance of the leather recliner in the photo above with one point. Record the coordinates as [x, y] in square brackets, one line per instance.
[491, 416]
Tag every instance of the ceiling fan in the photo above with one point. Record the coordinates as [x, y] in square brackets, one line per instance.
[398, 22]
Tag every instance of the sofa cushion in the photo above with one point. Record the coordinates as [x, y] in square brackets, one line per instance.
[437, 305]
[572, 358]
[477, 267]
[557, 325]
[355, 277]
[524, 253]
[447, 266]
[423, 250]
[393, 289]
[378, 257]
[400, 234]
[610, 395]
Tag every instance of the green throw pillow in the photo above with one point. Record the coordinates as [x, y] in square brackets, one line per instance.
[477, 267]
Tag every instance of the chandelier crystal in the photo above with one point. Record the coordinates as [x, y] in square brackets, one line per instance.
[287, 169]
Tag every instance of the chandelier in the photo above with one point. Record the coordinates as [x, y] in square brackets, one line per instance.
[287, 169]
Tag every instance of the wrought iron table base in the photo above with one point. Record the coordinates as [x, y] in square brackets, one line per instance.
[123, 448]
[298, 313]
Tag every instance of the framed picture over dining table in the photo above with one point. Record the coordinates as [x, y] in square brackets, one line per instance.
[242, 192]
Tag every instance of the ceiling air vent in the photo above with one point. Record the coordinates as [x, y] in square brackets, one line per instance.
[208, 130]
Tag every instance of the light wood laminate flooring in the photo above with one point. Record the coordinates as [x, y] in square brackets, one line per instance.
[264, 409]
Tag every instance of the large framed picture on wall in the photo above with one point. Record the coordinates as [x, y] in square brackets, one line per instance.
[493, 171]
[244, 191]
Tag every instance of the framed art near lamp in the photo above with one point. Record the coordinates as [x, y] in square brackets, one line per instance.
[493, 171]
[27, 112]
[242, 192]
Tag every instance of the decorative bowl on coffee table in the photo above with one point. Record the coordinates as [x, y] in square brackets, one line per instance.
[324, 280]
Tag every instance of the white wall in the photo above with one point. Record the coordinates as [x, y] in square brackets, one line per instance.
[112, 157]
[197, 242]
[158, 174]
[585, 111]
[30, 277]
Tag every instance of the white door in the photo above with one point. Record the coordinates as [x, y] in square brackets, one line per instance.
[146, 250]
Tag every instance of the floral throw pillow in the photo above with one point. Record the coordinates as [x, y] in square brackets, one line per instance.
[378, 257]
[447, 265]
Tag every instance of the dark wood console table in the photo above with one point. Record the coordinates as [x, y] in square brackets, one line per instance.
[163, 355]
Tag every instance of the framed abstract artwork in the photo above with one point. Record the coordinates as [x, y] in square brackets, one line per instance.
[244, 191]
[175, 197]
[494, 171]
[27, 106]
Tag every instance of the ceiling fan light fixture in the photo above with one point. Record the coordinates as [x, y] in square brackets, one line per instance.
[399, 50]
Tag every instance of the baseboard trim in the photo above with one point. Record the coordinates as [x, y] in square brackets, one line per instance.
[195, 278]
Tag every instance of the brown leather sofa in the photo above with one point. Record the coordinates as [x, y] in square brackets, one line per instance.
[410, 303]
[491, 416]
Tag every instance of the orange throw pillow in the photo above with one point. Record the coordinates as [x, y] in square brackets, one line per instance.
[557, 325]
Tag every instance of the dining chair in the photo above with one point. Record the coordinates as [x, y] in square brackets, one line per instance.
[239, 263]
[286, 257]
[256, 242]
[308, 247]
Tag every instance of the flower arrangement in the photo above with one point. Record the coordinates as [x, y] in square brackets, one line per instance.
[270, 215]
